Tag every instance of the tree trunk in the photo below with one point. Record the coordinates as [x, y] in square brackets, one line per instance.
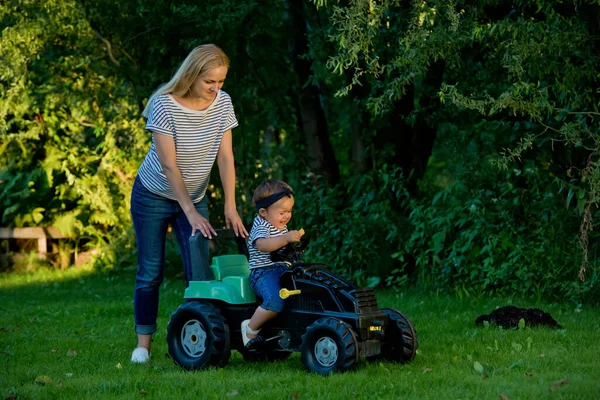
[413, 144]
[358, 147]
[321, 157]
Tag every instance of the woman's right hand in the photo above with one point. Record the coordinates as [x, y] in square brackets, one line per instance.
[198, 222]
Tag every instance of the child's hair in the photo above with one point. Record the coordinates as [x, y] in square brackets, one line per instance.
[267, 188]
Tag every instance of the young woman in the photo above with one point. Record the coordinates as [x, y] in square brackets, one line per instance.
[190, 119]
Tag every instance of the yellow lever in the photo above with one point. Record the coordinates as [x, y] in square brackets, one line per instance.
[284, 293]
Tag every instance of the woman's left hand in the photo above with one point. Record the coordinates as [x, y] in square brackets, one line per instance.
[233, 221]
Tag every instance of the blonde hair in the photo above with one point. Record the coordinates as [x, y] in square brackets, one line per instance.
[267, 188]
[200, 60]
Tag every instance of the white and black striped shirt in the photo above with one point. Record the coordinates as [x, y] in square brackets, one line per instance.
[197, 136]
[261, 228]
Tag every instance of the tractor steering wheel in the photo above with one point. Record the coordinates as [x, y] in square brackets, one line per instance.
[291, 252]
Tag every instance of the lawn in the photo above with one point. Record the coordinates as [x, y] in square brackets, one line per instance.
[68, 334]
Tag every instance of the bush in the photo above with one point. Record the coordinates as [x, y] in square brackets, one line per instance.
[502, 238]
[355, 228]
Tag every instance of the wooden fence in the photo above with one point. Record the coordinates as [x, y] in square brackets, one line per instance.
[41, 234]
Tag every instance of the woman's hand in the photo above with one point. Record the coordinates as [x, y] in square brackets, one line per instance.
[233, 221]
[198, 222]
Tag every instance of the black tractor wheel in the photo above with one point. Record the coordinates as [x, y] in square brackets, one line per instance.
[401, 341]
[198, 336]
[329, 345]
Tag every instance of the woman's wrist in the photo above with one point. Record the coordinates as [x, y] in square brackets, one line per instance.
[189, 211]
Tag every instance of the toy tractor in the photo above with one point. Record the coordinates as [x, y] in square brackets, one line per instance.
[331, 322]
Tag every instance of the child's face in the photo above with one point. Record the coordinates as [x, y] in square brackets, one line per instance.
[279, 213]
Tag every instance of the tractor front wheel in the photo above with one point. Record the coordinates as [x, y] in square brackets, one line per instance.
[329, 345]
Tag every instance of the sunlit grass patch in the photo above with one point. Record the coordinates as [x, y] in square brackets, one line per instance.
[69, 334]
[44, 275]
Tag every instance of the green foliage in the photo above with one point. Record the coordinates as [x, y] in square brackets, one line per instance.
[355, 228]
[71, 133]
[512, 233]
[508, 90]
[519, 79]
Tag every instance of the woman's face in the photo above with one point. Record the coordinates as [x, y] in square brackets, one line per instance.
[208, 84]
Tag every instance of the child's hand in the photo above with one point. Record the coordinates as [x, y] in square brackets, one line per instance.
[294, 236]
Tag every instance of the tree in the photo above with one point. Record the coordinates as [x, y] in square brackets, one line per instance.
[71, 135]
[444, 67]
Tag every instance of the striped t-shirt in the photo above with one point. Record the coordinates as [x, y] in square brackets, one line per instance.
[197, 136]
[261, 228]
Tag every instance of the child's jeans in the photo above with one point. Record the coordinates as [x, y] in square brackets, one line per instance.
[265, 283]
[151, 216]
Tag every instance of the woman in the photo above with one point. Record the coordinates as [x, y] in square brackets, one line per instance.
[191, 120]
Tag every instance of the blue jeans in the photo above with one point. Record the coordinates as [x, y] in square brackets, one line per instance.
[152, 214]
[265, 283]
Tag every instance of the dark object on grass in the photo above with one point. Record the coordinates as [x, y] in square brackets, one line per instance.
[509, 317]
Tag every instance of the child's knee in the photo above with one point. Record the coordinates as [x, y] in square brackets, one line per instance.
[273, 304]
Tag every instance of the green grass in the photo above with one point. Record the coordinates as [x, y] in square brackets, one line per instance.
[45, 314]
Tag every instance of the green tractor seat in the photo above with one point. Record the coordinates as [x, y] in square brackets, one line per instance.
[230, 285]
[230, 265]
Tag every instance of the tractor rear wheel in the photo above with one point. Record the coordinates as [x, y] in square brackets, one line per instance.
[401, 341]
[198, 336]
